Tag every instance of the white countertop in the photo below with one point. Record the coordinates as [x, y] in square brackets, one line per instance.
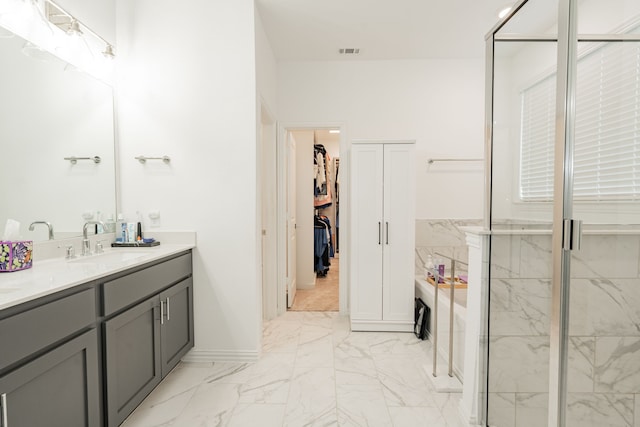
[54, 275]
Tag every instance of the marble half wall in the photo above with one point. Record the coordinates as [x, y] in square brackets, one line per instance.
[604, 328]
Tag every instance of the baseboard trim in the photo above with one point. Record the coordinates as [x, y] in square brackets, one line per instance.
[380, 326]
[204, 356]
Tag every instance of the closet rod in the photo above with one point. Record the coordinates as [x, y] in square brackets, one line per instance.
[432, 161]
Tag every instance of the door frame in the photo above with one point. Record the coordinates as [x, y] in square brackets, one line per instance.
[268, 221]
[282, 147]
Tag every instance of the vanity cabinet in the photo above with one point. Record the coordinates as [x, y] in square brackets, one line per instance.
[58, 389]
[88, 355]
[382, 236]
[49, 363]
[144, 341]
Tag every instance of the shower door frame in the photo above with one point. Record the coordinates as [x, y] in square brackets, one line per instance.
[566, 231]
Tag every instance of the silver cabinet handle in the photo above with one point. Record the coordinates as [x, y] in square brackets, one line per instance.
[379, 233]
[162, 312]
[3, 402]
[387, 232]
[168, 310]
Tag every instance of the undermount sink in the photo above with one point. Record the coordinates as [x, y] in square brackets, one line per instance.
[110, 257]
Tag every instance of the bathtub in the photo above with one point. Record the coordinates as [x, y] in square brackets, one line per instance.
[426, 291]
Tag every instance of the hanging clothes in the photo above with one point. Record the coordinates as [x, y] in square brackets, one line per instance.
[337, 199]
[322, 248]
[322, 177]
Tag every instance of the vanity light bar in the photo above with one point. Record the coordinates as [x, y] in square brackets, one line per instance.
[143, 159]
[74, 159]
[62, 19]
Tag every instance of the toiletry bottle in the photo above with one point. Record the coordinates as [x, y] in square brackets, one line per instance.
[110, 224]
[99, 228]
[139, 236]
[441, 270]
[131, 232]
[122, 229]
[428, 267]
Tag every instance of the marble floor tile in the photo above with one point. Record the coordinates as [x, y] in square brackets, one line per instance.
[313, 372]
[395, 343]
[245, 415]
[270, 380]
[403, 381]
[316, 353]
[362, 406]
[160, 408]
[355, 370]
[211, 405]
[312, 397]
[416, 416]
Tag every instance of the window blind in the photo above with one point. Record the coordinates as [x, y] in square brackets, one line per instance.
[607, 129]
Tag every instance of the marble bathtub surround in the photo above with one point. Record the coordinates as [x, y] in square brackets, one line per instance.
[313, 371]
[445, 236]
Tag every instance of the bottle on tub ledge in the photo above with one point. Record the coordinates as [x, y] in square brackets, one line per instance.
[433, 267]
[428, 267]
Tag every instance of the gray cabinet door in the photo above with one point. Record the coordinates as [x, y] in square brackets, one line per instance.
[58, 389]
[132, 358]
[177, 323]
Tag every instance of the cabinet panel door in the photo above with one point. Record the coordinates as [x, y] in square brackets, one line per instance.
[367, 233]
[126, 290]
[177, 323]
[45, 325]
[132, 350]
[399, 232]
[58, 389]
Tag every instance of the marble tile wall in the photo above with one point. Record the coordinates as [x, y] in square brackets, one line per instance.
[604, 348]
[444, 236]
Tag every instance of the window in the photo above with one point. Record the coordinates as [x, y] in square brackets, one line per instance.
[607, 133]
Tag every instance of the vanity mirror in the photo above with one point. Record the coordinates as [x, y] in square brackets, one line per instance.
[49, 111]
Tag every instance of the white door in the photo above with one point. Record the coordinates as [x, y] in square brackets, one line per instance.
[291, 221]
[367, 231]
[399, 232]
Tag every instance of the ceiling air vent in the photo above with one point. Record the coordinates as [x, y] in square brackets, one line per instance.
[350, 51]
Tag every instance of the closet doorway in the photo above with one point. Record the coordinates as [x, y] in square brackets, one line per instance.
[317, 207]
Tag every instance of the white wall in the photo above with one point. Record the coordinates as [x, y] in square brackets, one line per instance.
[266, 69]
[305, 275]
[100, 15]
[439, 103]
[187, 89]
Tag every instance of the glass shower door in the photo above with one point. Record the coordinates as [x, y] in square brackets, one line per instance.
[523, 112]
[564, 336]
[603, 370]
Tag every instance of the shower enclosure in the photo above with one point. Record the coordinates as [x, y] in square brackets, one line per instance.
[563, 207]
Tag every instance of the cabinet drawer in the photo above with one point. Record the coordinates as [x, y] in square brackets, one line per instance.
[129, 289]
[28, 332]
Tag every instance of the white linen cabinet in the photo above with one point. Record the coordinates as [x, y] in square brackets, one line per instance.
[383, 235]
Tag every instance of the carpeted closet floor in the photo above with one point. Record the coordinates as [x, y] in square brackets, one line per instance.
[325, 295]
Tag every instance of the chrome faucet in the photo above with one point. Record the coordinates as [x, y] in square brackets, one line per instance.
[86, 245]
[48, 224]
